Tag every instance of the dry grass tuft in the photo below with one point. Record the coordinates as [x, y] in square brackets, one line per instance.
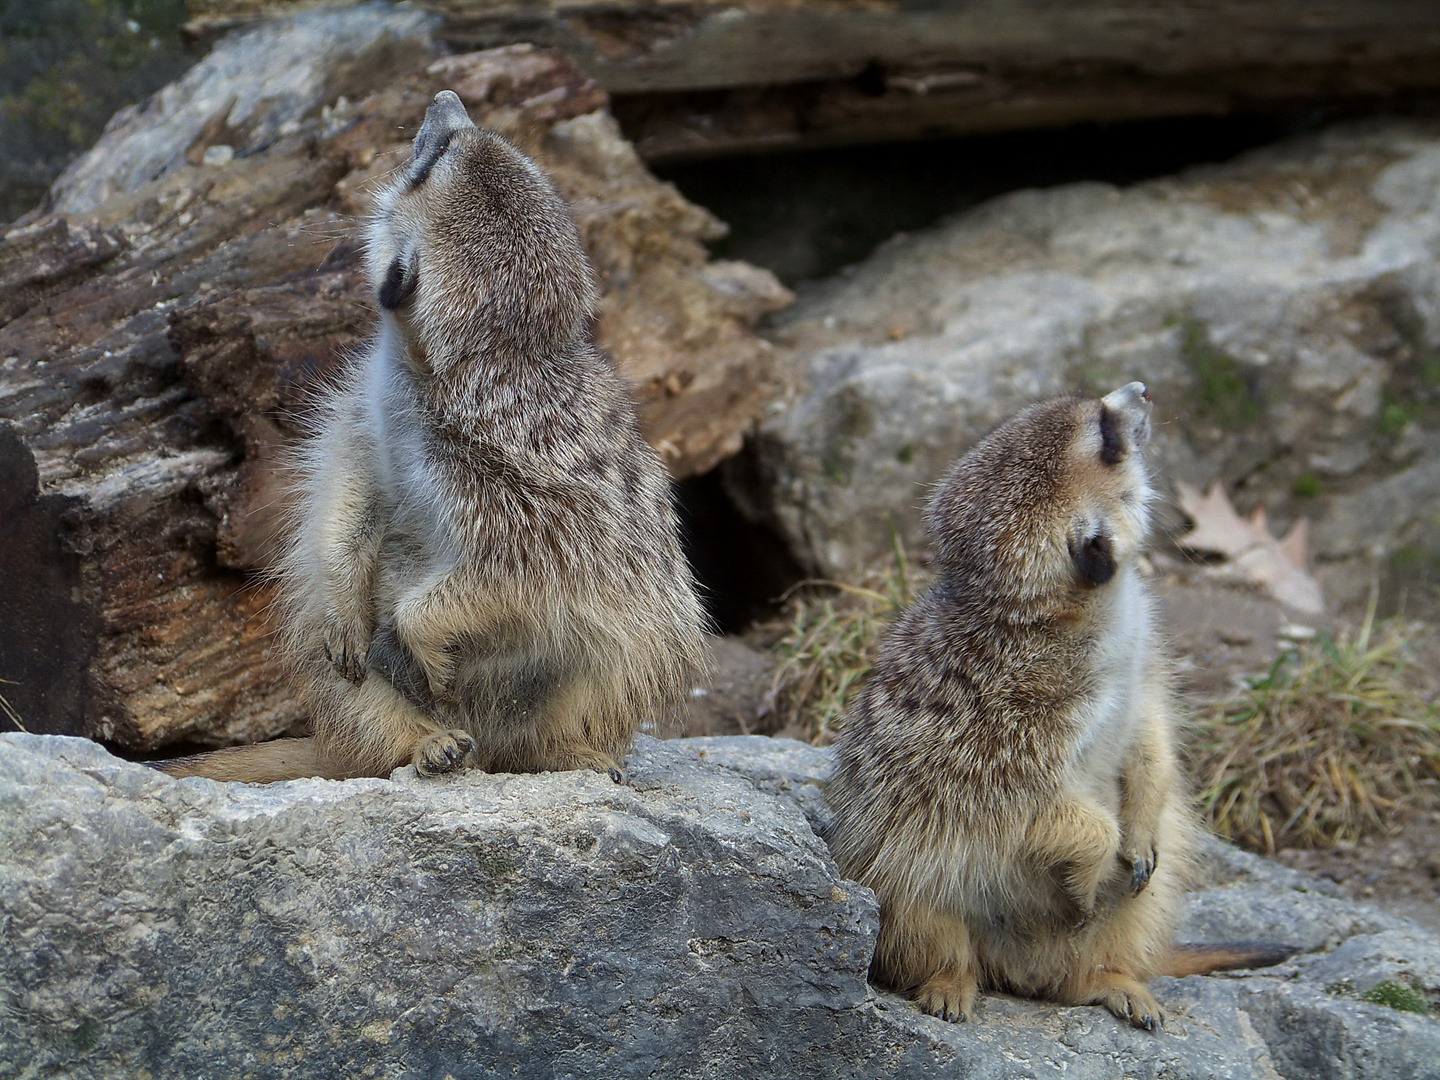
[1330, 745]
[827, 642]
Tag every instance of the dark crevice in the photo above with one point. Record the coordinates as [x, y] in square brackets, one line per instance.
[743, 568]
[806, 214]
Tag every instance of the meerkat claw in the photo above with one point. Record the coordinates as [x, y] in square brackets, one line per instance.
[1133, 1005]
[341, 644]
[949, 998]
[618, 775]
[1142, 869]
[1139, 879]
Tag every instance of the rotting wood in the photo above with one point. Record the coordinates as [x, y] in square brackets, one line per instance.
[696, 79]
[158, 352]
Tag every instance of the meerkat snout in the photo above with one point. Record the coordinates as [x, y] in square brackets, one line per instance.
[1124, 422]
[1094, 558]
[443, 119]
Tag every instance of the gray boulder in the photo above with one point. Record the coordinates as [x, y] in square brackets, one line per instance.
[1284, 308]
[690, 924]
[256, 89]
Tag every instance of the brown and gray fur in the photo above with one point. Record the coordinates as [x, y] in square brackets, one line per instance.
[485, 565]
[1007, 781]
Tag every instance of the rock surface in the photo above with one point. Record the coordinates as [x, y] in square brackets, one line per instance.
[1285, 309]
[164, 326]
[689, 924]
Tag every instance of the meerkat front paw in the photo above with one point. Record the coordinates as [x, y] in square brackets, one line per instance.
[1132, 1002]
[442, 752]
[1140, 860]
[950, 997]
[346, 641]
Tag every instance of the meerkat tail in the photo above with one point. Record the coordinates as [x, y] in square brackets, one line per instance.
[262, 763]
[1203, 959]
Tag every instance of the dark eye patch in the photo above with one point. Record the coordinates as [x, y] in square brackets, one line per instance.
[399, 283]
[1112, 447]
[425, 158]
[1094, 559]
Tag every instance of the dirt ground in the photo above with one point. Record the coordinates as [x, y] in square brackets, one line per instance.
[1218, 633]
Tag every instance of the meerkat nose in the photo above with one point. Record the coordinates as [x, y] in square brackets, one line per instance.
[1130, 405]
[448, 111]
[1128, 398]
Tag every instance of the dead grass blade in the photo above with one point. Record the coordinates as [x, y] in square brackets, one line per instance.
[827, 642]
[8, 710]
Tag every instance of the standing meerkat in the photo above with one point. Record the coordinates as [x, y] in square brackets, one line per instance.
[484, 564]
[1007, 781]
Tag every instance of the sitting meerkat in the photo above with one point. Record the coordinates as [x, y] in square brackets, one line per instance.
[1007, 781]
[484, 564]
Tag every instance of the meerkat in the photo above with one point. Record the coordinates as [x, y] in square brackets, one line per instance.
[1007, 780]
[484, 566]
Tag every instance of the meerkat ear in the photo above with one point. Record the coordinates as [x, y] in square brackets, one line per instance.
[1094, 559]
[399, 284]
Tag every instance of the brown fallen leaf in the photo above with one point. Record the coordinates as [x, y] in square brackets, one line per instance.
[1276, 565]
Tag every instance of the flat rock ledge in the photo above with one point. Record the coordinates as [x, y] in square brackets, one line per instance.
[688, 924]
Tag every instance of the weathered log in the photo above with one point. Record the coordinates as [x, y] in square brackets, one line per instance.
[701, 77]
[164, 326]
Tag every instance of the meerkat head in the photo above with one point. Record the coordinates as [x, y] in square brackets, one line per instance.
[1051, 504]
[471, 252]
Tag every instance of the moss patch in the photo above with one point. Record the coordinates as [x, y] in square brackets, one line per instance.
[493, 864]
[65, 67]
[854, 419]
[1394, 415]
[1412, 390]
[1227, 397]
[85, 1037]
[1395, 995]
